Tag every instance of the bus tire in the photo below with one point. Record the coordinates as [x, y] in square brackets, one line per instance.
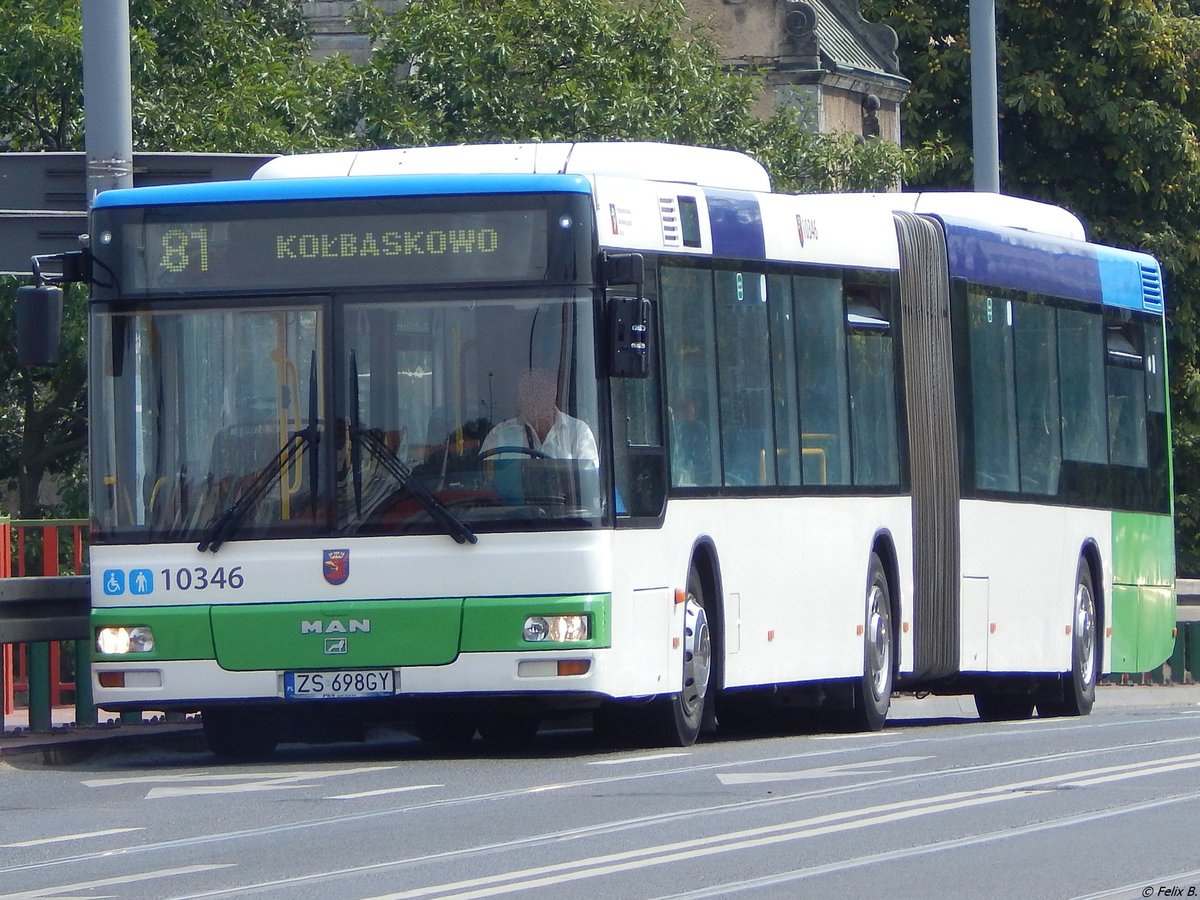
[1079, 685]
[239, 735]
[675, 720]
[873, 693]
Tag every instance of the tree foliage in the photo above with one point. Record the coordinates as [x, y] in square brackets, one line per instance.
[207, 76]
[1099, 113]
[458, 71]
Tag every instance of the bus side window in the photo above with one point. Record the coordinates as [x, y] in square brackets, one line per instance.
[689, 352]
[993, 396]
[824, 392]
[747, 426]
[872, 385]
[1039, 421]
[1081, 379]
[1126, 379]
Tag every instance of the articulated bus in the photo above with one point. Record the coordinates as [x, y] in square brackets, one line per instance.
[474, 437]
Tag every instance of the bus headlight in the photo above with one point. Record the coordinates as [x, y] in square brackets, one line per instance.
[557, 629]
[120, 640]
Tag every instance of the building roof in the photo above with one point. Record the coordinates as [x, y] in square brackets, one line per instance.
[848, 41]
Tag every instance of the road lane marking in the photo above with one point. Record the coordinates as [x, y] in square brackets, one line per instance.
[233, 776]
[69, 837]
[831, 823]
[758, 803]
[1135, 889]
[863, 734]
[633, 759]
[199, 784]
[869, 767]
[382, 791]
[60, 889]
[905, 853]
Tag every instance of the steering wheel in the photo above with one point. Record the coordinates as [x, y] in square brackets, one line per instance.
[527, 451]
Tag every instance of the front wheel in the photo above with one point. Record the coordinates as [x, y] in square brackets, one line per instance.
[676, 720]
[873, 694]
[1079, 688]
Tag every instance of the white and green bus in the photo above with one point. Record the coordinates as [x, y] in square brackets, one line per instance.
[474, 437]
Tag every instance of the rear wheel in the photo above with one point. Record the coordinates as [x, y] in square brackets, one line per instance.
[675, 721]
[1079, 689]
[873, 694]
[239, 734]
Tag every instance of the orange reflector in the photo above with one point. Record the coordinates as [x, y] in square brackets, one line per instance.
[680, 595]
[574, 666]
[904, 627]
[860, 631]
[770, 634]
[1108, 632]
[1067, 630]
[675, 643]
[992, 627]
[1174, 632]
[112, 679]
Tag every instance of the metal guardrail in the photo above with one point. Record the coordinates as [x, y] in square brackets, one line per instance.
[44, 608]
[41, 616]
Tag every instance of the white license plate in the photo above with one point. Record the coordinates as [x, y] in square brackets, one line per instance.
[331, 684]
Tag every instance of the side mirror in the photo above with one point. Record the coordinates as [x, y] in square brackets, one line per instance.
[39, 324]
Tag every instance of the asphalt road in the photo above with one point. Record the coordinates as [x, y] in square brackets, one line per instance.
[937, 805]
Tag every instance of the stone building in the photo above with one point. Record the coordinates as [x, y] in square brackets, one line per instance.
[819, 56]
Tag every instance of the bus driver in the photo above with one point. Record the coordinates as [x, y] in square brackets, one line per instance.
[540, 425]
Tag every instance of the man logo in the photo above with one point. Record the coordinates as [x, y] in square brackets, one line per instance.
[335, 646]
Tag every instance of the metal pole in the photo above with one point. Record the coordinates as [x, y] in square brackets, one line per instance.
[107, 108]
[984, 89]
[41, 719]
[108, 145]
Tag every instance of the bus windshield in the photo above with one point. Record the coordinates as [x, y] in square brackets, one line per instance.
[430, 414]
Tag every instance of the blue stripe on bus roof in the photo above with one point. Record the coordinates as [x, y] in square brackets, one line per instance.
[1046, 264]
[339, 188]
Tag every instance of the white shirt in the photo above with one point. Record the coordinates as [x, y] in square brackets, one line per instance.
[568, 438]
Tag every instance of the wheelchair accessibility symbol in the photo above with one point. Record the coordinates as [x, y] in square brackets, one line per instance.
[138, 581]
[114, 582]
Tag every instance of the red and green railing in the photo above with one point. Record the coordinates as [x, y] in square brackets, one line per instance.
[43, 671]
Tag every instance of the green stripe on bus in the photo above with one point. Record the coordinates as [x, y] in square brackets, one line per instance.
[496, 623]
[180, 632]
[1143, 601]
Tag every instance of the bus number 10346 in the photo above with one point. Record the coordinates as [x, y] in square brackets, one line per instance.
[199, 578]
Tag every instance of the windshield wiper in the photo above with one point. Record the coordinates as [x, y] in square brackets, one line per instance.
[223, 525]
[374, 444]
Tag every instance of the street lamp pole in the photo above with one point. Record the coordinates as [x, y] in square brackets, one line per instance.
[107, 114]
[984, 112]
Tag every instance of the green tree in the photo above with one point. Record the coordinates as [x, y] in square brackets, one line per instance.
[458, 71]
[207, 76]
[1098, 114]
[43, 413]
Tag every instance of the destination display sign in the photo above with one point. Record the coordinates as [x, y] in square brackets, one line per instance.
[181, 253]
